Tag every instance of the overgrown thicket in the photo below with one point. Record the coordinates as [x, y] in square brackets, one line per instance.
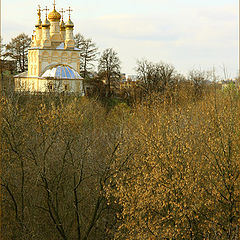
[179, 176]
[165, 168]
[55, 162]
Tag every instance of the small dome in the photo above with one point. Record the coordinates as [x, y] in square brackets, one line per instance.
[46, 23]
[39, 23]
[69, 23]
[60, 71]
[54, 15]
[62, 25]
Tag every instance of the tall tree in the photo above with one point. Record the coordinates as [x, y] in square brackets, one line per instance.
[155, 77]
[2, 56]
[88, 54]
[109, 68]
[17, 50]
[198, 80]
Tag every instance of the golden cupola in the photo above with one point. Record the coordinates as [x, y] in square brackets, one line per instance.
[69, 39]
[39, 22]
[54, 16]
[62, 26]
[46, 23]
[69, 23]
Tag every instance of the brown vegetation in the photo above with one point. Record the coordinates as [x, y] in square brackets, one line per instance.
[163, 166]
[55, 160]
[179, 175]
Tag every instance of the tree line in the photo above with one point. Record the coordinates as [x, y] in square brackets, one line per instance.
[103, 71]
[108, 67]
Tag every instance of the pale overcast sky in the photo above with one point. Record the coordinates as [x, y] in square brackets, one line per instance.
[189, 34]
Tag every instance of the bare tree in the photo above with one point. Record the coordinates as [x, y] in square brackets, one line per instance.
[198, 79]
[109, 69]
[56, 161]
[88, 53]
[17, 50]
[155, 77]
[2, 56]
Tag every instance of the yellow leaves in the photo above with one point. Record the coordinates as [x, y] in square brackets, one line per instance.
[176, 167]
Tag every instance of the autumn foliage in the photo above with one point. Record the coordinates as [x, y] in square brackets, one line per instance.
[178, 174]
[165, 168]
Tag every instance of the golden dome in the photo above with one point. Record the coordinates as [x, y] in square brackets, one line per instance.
[69, 23]
[54, 15]
[62, 25]
[39, 23]
[46, 23]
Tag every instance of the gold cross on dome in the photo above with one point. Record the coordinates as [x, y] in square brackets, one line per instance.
[69, 10]
[62, 12]
[46, 10]
[39, 12]
[54, 4]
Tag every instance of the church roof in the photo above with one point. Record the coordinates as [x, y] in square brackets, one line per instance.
[23, 74]
[54, 15]
[46, 23]
[61, 71]
[69, 23]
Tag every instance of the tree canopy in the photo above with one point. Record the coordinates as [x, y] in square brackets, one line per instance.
[88, 53]
[17, 50]
[109, 68]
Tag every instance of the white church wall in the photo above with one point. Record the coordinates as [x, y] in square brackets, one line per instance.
[39, 85]
[59, 56]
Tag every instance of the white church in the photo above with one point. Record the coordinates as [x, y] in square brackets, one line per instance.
[53, 60]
